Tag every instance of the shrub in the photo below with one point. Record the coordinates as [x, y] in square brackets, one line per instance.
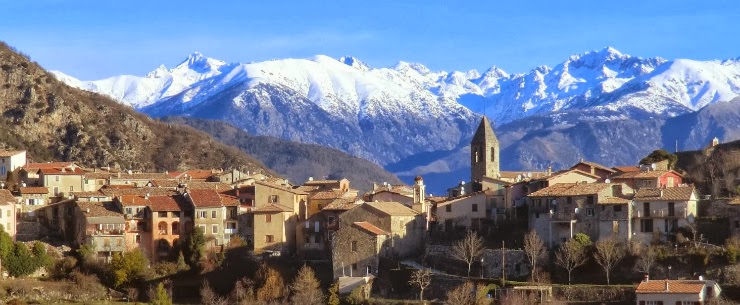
[583, 239]
[165, 268]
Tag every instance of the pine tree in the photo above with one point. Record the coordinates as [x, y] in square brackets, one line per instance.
[334, 294]
[161, 297]
[181, 265]
[306, 288]
[194, 247]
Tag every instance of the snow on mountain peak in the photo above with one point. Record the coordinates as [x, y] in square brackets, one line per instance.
[354, 63]
[404, 67]
[199, 63]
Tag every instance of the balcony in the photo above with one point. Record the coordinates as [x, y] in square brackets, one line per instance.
[561, 216]
[229, 231]
[660, 213]
[105, 232]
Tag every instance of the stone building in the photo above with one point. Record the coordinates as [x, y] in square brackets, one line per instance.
[376, 229]
[101, 225]
[8, 216]
[659, 212]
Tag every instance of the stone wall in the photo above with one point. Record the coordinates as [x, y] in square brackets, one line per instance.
[516, 265]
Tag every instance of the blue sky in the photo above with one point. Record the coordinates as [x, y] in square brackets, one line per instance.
[95, 39]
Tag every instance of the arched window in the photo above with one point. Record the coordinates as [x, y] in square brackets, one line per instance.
[162, 228]
[493, 153]
[175, 228]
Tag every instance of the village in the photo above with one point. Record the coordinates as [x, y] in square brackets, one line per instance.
[628, 227]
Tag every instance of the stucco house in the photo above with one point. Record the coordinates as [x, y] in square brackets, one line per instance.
[648, 177]
[683, 292]
[10, 161]
[215, 212]
[278, 207]
[659, 212]
[168, 218]
[560, 211]
[101, 225]
[593, 168]
[8, 212]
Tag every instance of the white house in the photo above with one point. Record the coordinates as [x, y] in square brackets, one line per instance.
[10, 160]
[683, 292]
[660, 211]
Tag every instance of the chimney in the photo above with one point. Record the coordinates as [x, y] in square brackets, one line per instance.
[549, 170]
[646, 278]
[87, 210]
[118, 174]
[661, 193]
[666, 286]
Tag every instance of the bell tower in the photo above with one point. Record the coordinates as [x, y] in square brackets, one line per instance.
[484, 153]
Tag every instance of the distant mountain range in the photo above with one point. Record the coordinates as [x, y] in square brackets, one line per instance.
[602, 105]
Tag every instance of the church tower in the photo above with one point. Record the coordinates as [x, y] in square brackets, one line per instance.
[484, 152]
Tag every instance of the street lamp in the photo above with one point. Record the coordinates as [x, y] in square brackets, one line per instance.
[481, 267]
[669, 272]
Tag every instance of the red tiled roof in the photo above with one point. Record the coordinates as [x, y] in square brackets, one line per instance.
[62, 171]
[113, 190]
[613, 200]
[571, 189]
[133, 200]
[167, 203]
[595, 165]
[37, 166]
[34, 190]
[392, 208]
[164, 183]
[652, 174]
[372, 229]
[98, 209]
[671, 286]
[6, 197]
[625, 169]
[341, 204]
[680, 193]
[202, 185]
[88, 194]
[327, 195]
[199, 173]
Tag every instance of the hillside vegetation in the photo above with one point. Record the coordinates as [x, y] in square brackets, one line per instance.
[294, 160]
[715, 171]
[53, 121]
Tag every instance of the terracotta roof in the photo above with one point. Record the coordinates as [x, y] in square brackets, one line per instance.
[6, 197]
[595, 165]
[164, 182]
[320, 182]
[112, 191]
[10, 153]
[133, 200]
[625, 169]
[306, 188]
[341, 204]
[333, 194]
[99, 209]
[680, 193]
[281, 187]
[614, 200]
[404, 190]
[513, 175]
[652, 174]
[454, 199]
[88, 194]
[62, 171]
[229, 198]
[392, 208]
[568, 171]
[570, 189]
[671, 286]
[202, 185]
[168, 203]
[204, 198]
[98, 175]
[201, 174]
[372, 229]
[271, 208]
[436, 199]
[34, 190]
[139, 176]
[37, 166]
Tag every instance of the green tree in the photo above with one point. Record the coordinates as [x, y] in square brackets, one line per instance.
[161, 297]
[128, 267]
[41, 257]
[583, 239]
[194, 247]
[20, 262]
[660, 155]
[181, 265]
[6, 244]
[306, 288]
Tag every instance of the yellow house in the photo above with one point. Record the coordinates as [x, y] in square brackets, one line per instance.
[277, 209]
[62, 181]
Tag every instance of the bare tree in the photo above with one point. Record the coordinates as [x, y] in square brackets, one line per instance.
[608, 253]
[534, 247]
[647, 260]
[210, 297]
[421, 278]
[468, 249]
[461, 295]
[306, 288]
[570, 256]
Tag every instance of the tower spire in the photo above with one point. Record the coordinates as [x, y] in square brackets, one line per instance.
[484, 152]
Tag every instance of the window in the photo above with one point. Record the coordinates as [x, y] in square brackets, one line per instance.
[646, 225]
[448, 208]
[308, 240]
[202, 227]
[317, 238]
[268, 217]
[330, 219]
[590, 199]
[536, 214]
[71, 188]
[202, 214]
[646, 209]
[56, 191]
[269, 238]
[56, 178]
[162, 214]
[176, 214]
[137, 238]
[493, 153]
[476, 157]
[617, 208]
[213, 214]
[671, 209]
[670, 181]
[273, 199]
[214, 229]
[569, 200]
[129, 211]
[7, 213]
[354, 267]
[589, 212]
[475, 207]
[354, 246]
[737, 224]
[615, 227]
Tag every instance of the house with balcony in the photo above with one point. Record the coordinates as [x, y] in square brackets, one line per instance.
[658, 213]
[134, 207]
[101, 225]
[278, 207]
[215, 212]
[60, 181]
[649, 178]
[562, 210]
[169, 217]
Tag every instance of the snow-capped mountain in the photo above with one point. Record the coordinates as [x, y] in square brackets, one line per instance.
[387, 114]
